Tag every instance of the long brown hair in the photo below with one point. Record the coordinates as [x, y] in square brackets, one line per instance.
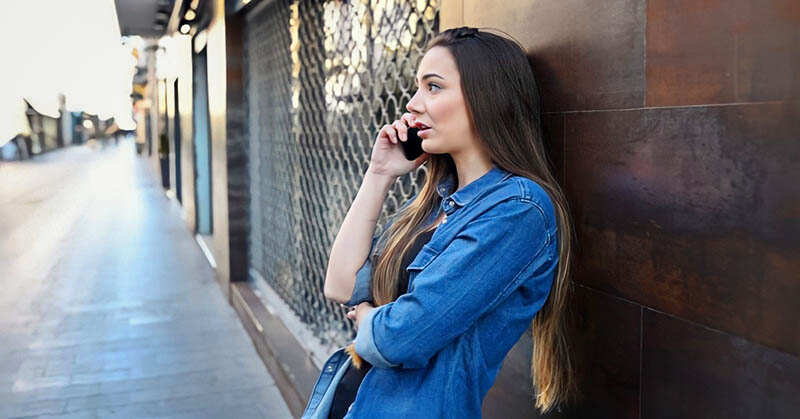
[508, 123]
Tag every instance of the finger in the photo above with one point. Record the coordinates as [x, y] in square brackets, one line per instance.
[402, 130]
[409, 119]
[392, 133]
[387, 132]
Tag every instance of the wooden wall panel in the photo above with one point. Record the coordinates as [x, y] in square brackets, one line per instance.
[591, 57]
[688, 210]
[606, 337]
[553, 131]
[672, 125]
[689, 371]
[722, 51]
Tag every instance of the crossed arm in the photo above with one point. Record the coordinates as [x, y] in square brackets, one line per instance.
[486, 261]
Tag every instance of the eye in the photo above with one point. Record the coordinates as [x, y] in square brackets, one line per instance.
[432, 85]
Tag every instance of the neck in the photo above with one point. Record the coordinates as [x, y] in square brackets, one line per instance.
[470, 165]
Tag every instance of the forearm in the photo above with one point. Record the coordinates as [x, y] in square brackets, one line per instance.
[490, 258]
[353, 241]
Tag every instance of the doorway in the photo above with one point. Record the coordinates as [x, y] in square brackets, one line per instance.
[202, 144]
[176, 123]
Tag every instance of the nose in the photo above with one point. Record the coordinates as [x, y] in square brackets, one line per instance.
[415, 105]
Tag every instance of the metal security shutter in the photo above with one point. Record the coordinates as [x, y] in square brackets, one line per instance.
[321, 79]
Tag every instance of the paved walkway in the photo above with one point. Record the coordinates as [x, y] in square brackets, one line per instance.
[108, 308]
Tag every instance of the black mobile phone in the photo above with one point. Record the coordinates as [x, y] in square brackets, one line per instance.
[412, 147]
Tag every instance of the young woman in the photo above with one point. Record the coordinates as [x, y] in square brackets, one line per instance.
[463, 268]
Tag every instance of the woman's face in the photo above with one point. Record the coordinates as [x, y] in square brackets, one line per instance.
[439, 104]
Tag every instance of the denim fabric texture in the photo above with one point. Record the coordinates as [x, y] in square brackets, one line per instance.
[321, 399]
[473, 290]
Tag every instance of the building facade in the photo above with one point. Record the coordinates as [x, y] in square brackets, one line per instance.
[672, 127]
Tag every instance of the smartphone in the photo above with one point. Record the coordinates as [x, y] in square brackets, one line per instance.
[412, 147]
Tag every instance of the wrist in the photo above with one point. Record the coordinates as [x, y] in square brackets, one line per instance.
[381, 180]
[360, 314]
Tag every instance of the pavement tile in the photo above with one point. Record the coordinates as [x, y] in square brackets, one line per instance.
[109, 308]
[33, 408]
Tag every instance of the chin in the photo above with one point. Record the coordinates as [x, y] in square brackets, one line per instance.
[431, 148]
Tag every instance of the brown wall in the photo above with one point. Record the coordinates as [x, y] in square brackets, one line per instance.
[674, 126]
[237, 151]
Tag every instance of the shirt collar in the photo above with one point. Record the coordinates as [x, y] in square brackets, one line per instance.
[466, 194]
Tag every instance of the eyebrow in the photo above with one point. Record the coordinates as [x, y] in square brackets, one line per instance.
[429, 75]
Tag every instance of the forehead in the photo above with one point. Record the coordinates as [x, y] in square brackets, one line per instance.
[438, 60]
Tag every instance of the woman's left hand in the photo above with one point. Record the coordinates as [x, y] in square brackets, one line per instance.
[359, 312]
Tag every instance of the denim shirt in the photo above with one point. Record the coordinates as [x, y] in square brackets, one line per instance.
[474, 289]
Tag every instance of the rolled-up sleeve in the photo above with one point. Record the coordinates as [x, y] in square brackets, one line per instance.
[362, 290]
[486, 261]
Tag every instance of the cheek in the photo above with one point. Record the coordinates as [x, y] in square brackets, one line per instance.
[447, 108]
[451, 117]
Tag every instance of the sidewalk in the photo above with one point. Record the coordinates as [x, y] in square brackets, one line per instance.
[108, 308]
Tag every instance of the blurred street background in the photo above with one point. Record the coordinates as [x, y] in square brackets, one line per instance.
[90, 327]
[173, 174]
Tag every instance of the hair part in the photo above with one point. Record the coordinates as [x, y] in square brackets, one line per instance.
[508, 123]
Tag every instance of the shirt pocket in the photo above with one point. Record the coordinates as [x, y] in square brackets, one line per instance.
[424, 258]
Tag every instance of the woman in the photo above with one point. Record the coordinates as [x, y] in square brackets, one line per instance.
[463, 268]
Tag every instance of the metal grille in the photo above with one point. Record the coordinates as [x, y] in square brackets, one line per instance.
[321, 79]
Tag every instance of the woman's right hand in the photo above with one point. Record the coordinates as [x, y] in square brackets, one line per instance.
[387, 154]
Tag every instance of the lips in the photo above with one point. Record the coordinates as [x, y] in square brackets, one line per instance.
[421, 126]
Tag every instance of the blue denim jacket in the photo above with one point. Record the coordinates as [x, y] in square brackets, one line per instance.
[473, 291]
